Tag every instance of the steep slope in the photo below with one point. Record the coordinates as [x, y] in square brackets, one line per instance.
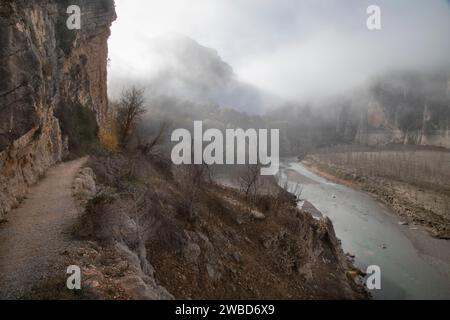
[45, 66]
[200, 240]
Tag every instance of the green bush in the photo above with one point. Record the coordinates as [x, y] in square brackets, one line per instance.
[79, 124]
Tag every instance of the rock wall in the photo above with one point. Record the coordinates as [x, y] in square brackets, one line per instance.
[44, 65]
[376, 128]
[407, 108]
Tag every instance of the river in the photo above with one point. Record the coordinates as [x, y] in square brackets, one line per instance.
[413, 264]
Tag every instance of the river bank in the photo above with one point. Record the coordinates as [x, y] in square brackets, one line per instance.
[414, 265]
[418, 205]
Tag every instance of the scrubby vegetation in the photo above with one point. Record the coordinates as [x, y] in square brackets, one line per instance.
[204, 240]
[190, 237]
[128, 112]
[109, 132]
[122, 120]
[79, 124]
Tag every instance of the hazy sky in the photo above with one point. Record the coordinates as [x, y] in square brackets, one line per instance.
[293, 48]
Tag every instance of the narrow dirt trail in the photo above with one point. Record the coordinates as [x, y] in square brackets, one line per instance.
[36, 233]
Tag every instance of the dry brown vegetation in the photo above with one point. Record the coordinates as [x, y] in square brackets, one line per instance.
[422, 168]
[129, 110]
[207, 241]
[109, 132]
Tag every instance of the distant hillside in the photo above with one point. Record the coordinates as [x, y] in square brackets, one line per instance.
[409, 108]
[395, 108]
[190, 71]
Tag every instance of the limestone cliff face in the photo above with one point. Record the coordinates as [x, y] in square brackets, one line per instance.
[429, 127]
[44, 65]
[407, 108]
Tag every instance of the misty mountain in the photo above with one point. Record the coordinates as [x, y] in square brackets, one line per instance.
[397, 107]
[186, 70]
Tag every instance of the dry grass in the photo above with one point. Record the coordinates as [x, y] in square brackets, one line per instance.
[422, 168]
[414, 182]
[207, 241]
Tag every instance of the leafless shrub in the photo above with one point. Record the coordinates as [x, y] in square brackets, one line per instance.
[249, 180]
[275, 199]
[129, 110]
[149, 147]
[95, 223]
[190, 179]
[154, 151]
[289, 192]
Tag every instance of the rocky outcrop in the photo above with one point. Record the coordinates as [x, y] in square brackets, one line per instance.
[44, 66]
[407, 108]
[428, 127]
[84, 187]
[131, 276]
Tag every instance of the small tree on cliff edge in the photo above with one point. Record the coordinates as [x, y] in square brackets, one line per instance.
[129, 110]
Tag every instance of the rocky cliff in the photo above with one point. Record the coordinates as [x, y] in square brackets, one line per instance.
[408, 108]
[45, 66]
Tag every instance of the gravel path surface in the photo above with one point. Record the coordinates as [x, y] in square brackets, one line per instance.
[36, 233]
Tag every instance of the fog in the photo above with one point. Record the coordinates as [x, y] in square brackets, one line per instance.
[298, 50]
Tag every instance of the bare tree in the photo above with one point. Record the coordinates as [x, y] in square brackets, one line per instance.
[156, 140]
[190, 179]
[129, 110]
[248, 179]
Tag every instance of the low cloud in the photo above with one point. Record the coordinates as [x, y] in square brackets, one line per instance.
[295, 49]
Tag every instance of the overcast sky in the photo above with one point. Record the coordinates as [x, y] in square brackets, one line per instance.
[293, 48]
